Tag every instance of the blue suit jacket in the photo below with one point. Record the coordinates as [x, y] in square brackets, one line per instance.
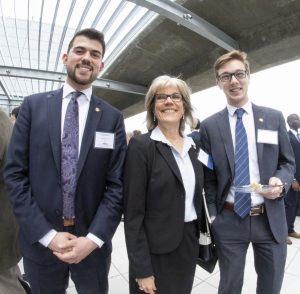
[274, 160]
[33, 173]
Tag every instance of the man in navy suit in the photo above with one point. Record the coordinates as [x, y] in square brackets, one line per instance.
[292, 199]
[54, 245]
[269, 160]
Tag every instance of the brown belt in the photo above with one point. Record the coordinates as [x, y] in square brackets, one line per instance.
[69, 222]
[255, 210]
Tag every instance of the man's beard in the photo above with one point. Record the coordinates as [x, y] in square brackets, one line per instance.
[80, 81]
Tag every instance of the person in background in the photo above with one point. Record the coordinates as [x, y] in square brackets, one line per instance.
[14, 114]
[128, 136]
[249, 147]
[132, 134]
[9, 246]
[163, 183]
[195, 134]
[136, 133]
[64, 174]
[292, 199]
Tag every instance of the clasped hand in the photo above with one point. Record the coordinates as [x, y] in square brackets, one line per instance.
[71, 249]
[147, 285]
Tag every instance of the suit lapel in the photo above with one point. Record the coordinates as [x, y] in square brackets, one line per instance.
[94, 115]
[225, 135]
[259, 123]
[54, 101]
[293, 138]
[166, 152]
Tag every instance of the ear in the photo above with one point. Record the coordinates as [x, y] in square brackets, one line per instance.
[101, 66]
[219, 84]
[65, 58]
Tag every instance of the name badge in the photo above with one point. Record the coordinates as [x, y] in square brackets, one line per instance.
[267, 137]
[104, 140]
[206, 159]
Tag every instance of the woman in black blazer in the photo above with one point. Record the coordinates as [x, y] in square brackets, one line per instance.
[163, 194]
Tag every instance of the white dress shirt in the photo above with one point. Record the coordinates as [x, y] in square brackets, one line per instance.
[248, 121]
[186, 170]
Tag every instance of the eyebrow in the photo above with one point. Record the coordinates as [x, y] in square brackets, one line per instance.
[92, 50]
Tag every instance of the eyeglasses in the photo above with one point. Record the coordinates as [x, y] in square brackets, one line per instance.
[175, 97]
[239, 75]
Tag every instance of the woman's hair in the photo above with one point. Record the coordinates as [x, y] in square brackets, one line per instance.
[161, 83]
[232, 55]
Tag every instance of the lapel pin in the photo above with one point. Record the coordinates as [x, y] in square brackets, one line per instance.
[261, 119]
[97, 109]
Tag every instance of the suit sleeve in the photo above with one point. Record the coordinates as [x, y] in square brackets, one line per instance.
[135, 192]
[210, 178]
[109, 213]
[29, 215]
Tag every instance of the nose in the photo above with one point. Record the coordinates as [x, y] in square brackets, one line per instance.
[86, 55]
[233, 79]
[168, 99]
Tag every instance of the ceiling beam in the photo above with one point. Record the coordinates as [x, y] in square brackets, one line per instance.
[5, 91]
[27, 73]
[190, 20]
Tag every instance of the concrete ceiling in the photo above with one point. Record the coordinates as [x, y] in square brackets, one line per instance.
[268, 30]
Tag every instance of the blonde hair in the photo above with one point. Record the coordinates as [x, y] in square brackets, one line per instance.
[235, 54]
[163, 82]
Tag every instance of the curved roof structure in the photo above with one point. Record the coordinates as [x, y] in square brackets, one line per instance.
[145, 38]
[35, 33]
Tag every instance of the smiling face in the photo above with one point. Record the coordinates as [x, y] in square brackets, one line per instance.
[235, 90]
[83, 62]
[167, 112]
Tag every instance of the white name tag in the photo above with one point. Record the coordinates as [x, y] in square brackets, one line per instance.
[267, 137]
[104, 140]
[206, 159]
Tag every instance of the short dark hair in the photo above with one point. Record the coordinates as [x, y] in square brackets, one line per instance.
[15, 111]
[92, 34]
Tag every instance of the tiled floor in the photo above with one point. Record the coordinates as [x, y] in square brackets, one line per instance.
[204, 283]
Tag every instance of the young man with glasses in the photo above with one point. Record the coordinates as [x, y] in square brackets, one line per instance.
[253, 166]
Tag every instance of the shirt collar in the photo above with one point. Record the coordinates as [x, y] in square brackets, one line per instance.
[67, 89]
[247, 107]
[157, 135]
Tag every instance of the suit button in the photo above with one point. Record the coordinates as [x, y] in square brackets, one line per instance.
[57, 212]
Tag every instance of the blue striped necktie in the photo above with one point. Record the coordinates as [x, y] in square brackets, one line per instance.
[242, 201]
[69, 156]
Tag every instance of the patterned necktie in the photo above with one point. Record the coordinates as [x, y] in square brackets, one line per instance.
[69, 156]
[242, 201]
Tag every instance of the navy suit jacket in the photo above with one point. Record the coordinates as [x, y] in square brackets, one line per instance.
[296, 148]
[274, 160]
[33, 173]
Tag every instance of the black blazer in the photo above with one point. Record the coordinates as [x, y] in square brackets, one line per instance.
[154, 201]
[33, 173]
